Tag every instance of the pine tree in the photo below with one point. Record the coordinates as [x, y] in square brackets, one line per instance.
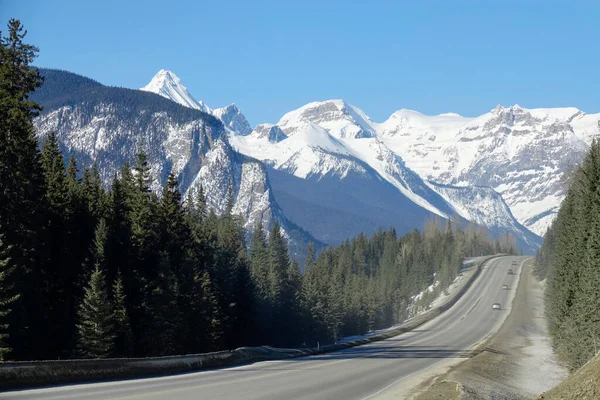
[204, 316]
[54, 172]
[96, 330]
[175, 232]
[93, 192]
[161, 316]
[123, 333]
[7, 296]
[22, 191]
[229, 200]
[259, 261]
[201, 203]
[278, 264]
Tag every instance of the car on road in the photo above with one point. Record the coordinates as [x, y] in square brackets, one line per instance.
[510, 271]
[514, 263]
[496, 306]
[504, 287]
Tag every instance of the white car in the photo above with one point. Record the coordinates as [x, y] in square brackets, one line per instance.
[496, 306]
[510, 271]
[504, 287]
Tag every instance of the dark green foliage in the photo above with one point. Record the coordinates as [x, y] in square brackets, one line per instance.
[123, 334]
[96, 326]
[7, 296]
[570, 260]
[22, 192]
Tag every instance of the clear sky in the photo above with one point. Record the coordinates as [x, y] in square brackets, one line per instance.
[270, 57]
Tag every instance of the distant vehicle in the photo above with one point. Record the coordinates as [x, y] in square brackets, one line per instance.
[504, 287]
[514, 263]
[510, 271]
[496, 306]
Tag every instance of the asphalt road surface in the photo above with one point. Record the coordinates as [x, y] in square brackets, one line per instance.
[363, 372]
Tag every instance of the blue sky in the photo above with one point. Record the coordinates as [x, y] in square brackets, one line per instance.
[270, 57]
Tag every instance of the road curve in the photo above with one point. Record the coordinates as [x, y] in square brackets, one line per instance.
[357, 373]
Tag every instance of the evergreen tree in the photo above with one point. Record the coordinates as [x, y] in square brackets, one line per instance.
[204, 318]
[96, 330]
[161, 318]
[123, 333]
[21, 191]
[201, 203]
[7, 296]
[175, 233]
[259, 262]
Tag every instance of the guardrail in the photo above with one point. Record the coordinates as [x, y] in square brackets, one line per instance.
[29, 374]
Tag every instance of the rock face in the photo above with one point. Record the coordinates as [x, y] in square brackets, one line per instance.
[233, 119]
[270, 132]
[108, 126]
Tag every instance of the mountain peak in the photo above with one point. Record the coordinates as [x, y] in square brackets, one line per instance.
[337, 117]
[166, 84]
[232, 118]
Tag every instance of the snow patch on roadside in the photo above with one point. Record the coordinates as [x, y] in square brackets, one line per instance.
[538, 368]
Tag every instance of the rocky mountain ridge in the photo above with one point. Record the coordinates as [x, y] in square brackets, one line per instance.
[108, 126]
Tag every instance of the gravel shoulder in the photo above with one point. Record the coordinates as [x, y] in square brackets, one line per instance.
[516, 363]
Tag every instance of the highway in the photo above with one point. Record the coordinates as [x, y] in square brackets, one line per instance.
[364, 372]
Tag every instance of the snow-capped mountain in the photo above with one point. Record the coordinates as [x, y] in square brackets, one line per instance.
[335, 116]
[491, 150]
[108, 126]
[523, 154]
[168, 85]
[331, 173]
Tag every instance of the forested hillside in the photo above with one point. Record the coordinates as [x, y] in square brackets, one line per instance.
[570, 260]
[92, 272]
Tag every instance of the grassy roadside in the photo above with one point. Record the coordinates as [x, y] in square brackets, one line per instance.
[584, 384]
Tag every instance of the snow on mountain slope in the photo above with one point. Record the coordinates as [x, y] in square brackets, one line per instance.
[270, 132]
[392, 168]
[168, 85]
[233, 119]
[523, 154]
[327, 139]
[335, 116]
[344, 168]
[311, 151]
[485, 207]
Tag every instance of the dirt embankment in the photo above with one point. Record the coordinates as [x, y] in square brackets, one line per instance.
[516, 363]
[584, 384]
